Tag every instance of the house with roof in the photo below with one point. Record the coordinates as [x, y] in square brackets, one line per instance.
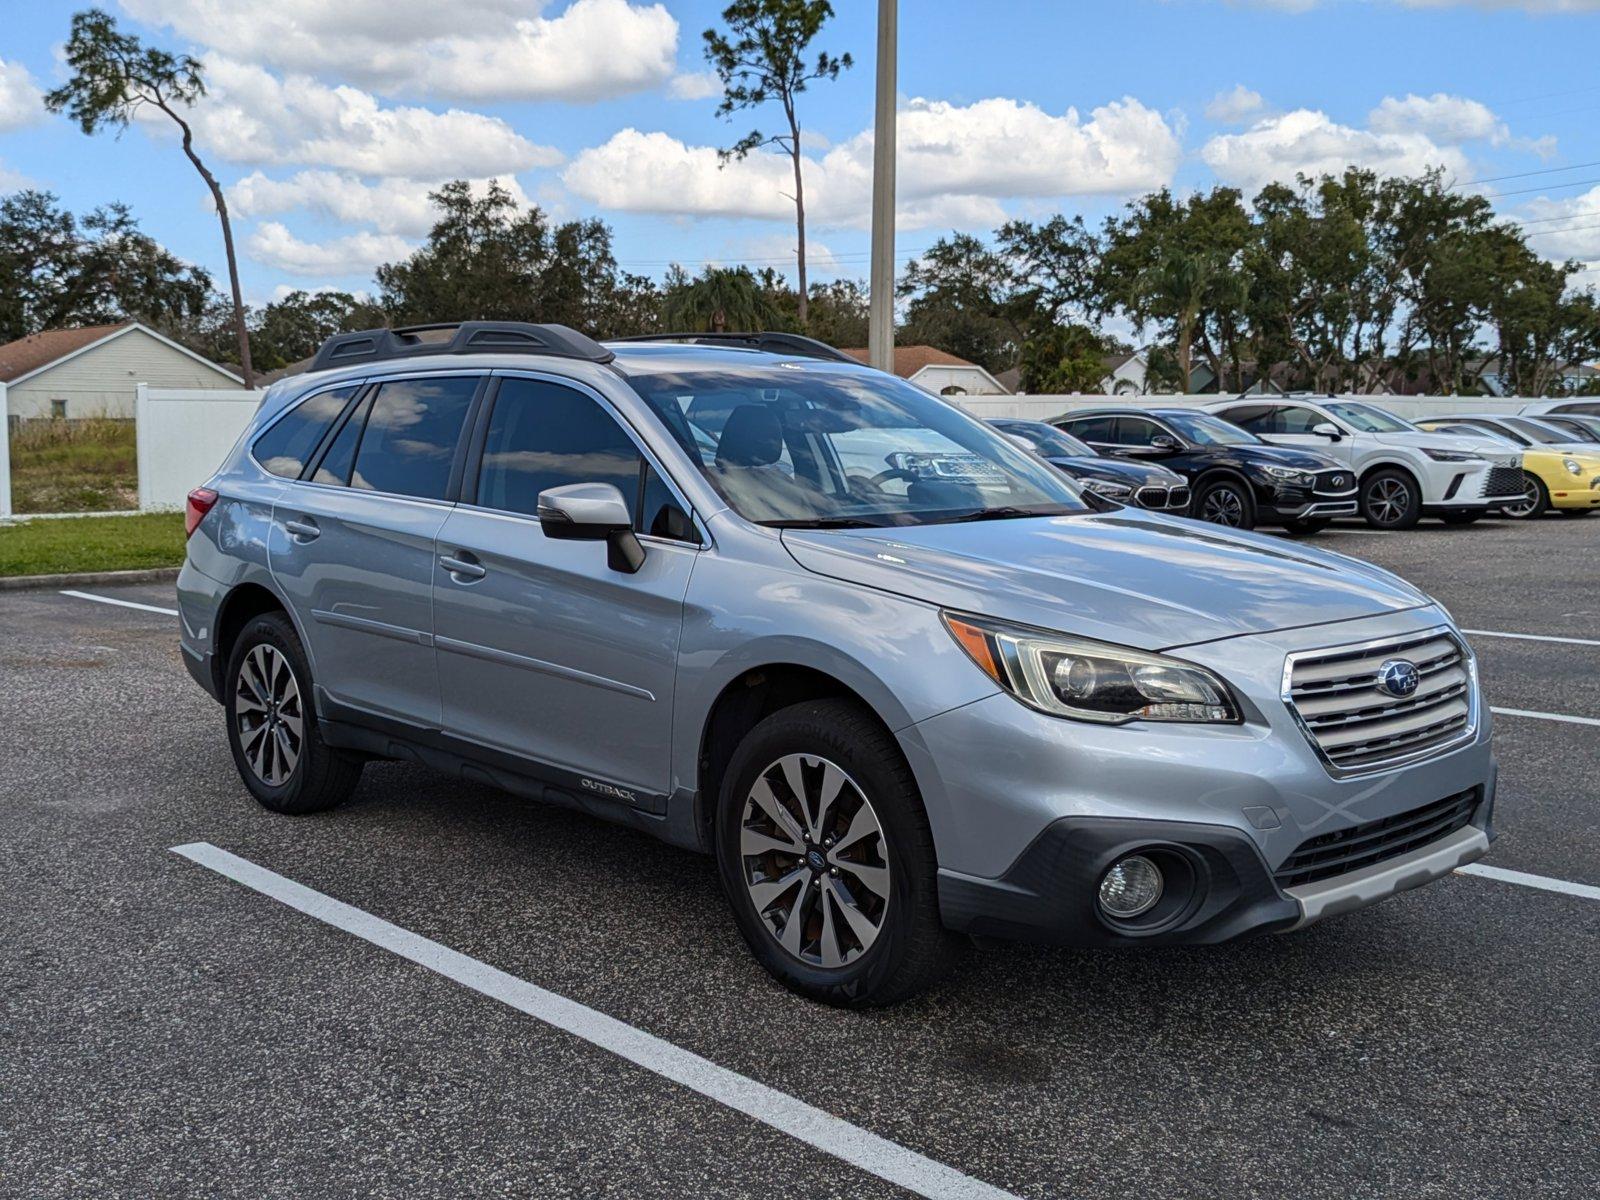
[93, 371]
[932, 370]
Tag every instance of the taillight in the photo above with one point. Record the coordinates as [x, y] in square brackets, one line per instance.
[195, 508]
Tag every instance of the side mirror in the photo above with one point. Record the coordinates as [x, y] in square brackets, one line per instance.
[1328, 430]
[592, 512]
[1163, 443]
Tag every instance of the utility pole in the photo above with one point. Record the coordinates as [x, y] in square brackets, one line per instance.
[880, 327]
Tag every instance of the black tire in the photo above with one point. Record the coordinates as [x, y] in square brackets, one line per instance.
[1577, 512]
[1306, 528]
[1391, 499]
[1460, 518]
[318, 776]
[1226, 502]
[1537, 499]
[911, 948]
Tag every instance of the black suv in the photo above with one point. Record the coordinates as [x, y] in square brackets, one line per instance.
[1235, 478]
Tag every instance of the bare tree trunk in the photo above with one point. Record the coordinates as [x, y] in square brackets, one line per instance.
[803, 308]
[243, 334]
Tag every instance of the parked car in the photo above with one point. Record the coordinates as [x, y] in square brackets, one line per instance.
[1586, 406]
[1235, 479]
[898, 707]
[1145, 485]
[1403, 472]
[1560, 472]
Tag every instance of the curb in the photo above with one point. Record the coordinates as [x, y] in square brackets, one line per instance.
[17, 583]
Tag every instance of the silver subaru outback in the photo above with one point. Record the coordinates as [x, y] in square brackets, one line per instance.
[905, 681]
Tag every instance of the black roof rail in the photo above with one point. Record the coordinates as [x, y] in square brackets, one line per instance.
[777, 343]
[470, 337]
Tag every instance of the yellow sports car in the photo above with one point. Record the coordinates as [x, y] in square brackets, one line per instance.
[1562, 474]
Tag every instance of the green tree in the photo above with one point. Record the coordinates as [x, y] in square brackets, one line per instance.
[718, 300]
[292, 329]
[962, 298]
[1060, 359]
[761, 58]
[114, 76]
[57, 270]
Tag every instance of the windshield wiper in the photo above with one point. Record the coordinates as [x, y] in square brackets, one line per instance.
[823, 523]
[1003, 513]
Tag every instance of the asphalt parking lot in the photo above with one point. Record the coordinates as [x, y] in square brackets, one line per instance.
[170, 1031]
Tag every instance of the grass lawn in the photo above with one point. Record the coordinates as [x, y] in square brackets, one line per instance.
[92, 544]
[74, 466]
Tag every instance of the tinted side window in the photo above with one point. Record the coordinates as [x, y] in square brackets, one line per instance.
[409, 443]
[1136, 431]
[1092, 429]
[289, 444]
[542, 435]
[341, 456]
[1297, 420]
[1257, 418]
[660, 514]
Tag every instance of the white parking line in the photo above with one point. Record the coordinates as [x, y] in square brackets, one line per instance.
[877, 1156]
[1532, 637]
[1522, 878]
[1564, 718]
[171, 612]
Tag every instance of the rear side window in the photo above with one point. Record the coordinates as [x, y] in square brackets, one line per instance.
[409, 441]
[1092, 429]
[287, 447]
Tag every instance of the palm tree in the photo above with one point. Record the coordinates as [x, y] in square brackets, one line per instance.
[720, 299]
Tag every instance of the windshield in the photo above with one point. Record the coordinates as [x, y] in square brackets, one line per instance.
[1584, 429]
[1368, 419]
[819, 445]
[1538, 431]
[1205, 430]
[1475, 431]
[1046, 439]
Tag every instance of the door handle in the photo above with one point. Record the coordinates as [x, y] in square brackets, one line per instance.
[302, 530]
[464, 568]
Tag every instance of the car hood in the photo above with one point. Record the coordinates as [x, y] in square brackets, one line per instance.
[1285, 456]
[1139, 580]
[1133, 473]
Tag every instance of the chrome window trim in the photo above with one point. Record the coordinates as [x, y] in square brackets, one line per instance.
[1467, 734]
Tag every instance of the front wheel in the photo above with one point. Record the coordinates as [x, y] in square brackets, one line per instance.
[1577, 512]
[1226, 502]
[272, 725]
[1390, 500]
[826, 856]
[1535, 499]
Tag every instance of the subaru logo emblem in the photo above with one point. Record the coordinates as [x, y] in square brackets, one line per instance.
[1398, 678]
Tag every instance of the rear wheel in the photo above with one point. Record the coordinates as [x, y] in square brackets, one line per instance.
[1226, 502]
[1535, 499]
[1459, 518]
[1391, 500]
[826, 857]
[272, 724]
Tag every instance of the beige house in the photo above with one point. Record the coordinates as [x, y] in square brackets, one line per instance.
[942, 374]
[93, 371]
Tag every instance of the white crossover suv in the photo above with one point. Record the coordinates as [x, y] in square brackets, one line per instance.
[1403, 472]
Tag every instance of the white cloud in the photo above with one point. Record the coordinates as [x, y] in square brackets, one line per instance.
[354, 254]
[254, 116]
[699, 86]
[398, 206]
[21, 102]
[1404, 136]
[1565, 228]
[956, 164]
[464, 49]
[11, 181]
[1233, 107]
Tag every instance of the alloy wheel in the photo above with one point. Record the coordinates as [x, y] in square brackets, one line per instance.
[1223, 506]
[1389, 499]
[271, 721]
[815, 861]
[1529, 503]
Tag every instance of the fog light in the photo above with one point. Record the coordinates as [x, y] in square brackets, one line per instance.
[1131, 887]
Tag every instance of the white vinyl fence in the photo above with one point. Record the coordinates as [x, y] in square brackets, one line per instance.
[1042, 408]
[5, 456]
[183, 436]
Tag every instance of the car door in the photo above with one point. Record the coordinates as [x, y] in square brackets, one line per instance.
[1292, 425]
[546, 653]
[353, 547]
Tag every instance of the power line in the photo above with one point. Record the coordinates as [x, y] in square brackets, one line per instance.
[1526, 174]
[1541, 188]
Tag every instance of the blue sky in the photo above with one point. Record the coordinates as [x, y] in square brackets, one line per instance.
[328, 123]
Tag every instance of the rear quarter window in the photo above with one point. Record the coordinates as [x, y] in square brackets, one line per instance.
[291, 441]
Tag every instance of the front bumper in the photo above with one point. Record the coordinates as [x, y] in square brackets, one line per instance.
[1028, 811]
[1585, 493]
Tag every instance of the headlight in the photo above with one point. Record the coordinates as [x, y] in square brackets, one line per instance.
[1291, 475]
[1092, 681]
[1571, 464]
[1108, 489]
[1450, 455]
